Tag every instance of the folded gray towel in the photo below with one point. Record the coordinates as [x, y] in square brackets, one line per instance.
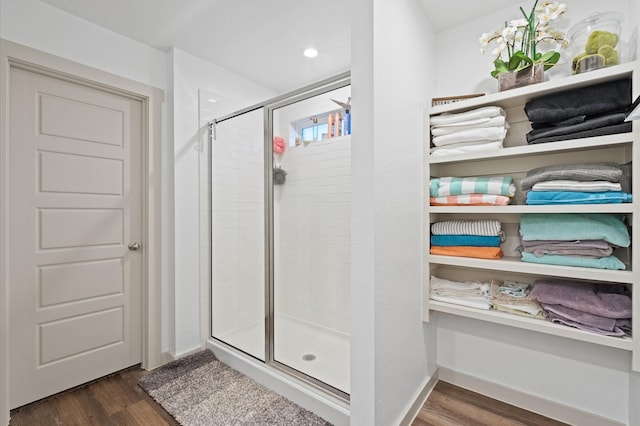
[610, 172]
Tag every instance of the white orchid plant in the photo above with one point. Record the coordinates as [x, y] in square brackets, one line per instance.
[521, 38]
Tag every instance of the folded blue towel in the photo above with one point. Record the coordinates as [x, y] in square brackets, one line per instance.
[574, 226]
[574, 197]
[465, 240]
[608, 262]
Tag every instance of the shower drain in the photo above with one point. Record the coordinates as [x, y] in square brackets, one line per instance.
[309, 357]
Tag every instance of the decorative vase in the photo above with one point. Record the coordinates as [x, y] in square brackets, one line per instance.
[524, 77]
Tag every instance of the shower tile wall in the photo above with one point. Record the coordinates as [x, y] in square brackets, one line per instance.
[237, 215]
[312, 211]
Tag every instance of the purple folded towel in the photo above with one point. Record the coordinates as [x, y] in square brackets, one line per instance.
[580, 317]
[602, 300]
[617, 332]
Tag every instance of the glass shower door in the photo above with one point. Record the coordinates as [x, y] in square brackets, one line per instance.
[311, 196]
[238, 233]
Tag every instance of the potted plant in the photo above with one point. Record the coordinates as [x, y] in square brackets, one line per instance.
[522, 41]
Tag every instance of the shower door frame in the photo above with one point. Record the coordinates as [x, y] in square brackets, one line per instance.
[306, 92]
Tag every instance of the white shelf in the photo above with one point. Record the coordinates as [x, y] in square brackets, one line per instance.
[518, 97]
[514, 264]
[517, 159]
[532, 324]
[518, 209]
[540, 148]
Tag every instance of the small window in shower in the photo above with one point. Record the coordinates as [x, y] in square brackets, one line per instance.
[314, 133]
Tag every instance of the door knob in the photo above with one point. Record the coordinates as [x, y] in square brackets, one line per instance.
[134, 246]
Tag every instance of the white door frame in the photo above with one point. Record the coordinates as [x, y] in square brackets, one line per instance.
[15, 55]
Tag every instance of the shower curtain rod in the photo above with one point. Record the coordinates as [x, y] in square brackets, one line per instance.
[336, 78]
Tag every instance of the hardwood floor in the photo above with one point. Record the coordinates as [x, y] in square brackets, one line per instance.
[450, 405]
[118, 400]
[113, 400]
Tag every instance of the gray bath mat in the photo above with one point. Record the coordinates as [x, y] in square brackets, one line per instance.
[199, 390]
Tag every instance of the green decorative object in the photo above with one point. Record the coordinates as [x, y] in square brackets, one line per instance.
[594, 42]
[599, 39]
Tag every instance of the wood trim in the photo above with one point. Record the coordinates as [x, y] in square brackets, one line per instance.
[16, 55]
[421, 397]
[534, 403]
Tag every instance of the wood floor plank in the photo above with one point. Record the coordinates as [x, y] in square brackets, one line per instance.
[114, 400]
[71, 411]
[36, 414]
[109, 393]
[145, 415]
[118, 400]
[450, 405]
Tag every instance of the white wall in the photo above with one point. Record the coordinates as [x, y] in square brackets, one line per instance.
[462, 69]
[583, 376]
[392, 81]
[313, 263]
[189, 75]
[588, 377]
[43, 27]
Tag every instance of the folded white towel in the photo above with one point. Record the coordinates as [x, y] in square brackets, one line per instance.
[471, 302]
[472, 135]
[475, 114]
[464, 147]
[474, 124]
[576, 185]
[443, 287]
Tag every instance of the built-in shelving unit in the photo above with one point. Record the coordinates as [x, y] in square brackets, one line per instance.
[515, 159]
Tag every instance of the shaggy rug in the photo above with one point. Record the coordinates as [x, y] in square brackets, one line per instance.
[200, 390]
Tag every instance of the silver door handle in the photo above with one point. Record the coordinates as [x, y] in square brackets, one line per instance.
[134, 246]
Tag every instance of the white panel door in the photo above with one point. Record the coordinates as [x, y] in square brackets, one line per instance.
[75, 205]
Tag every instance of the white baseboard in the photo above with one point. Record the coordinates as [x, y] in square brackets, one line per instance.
[172, 357]
[420, 398]
[545, 407]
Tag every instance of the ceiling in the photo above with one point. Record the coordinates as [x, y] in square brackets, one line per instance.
[258, 39]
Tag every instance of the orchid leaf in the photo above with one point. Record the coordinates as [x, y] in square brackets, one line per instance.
[550, 59]
[522, 57]
[500, 65]
[514, 62]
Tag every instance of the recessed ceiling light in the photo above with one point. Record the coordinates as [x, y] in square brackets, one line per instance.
[310, 53]
[212, 100]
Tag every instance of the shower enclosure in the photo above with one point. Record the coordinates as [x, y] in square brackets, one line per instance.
[280, 197]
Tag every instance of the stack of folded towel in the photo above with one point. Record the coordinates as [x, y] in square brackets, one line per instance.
[599, 308]
[476, 130]
[467, 238]
[573, 239]
[580, 113]
[471, 191]
[587, 183]
[515, 298]
[472, 294]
